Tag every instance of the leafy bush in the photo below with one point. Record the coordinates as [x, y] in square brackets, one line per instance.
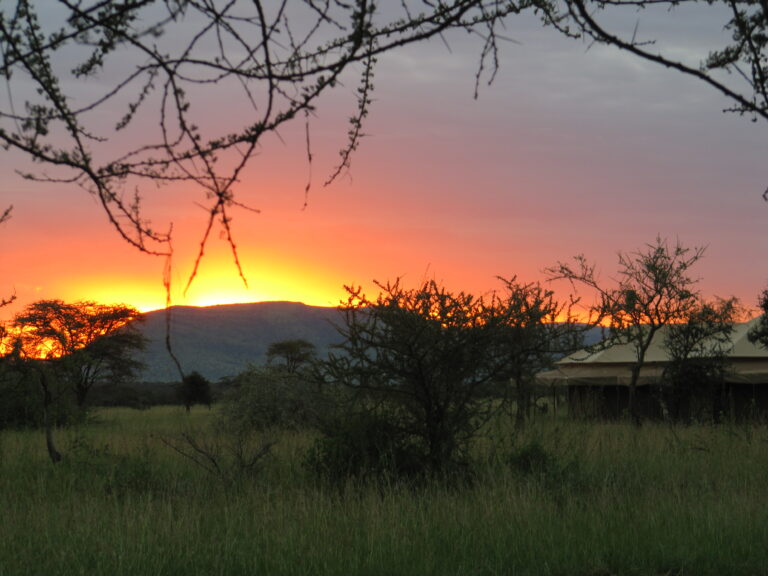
[534, 461]
[21, 402]
[364, 446]
[429, 358]
[263, 398]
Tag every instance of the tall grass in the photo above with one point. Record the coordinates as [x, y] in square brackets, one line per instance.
[563, 498]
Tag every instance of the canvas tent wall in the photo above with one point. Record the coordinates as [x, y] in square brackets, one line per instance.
[598, 379]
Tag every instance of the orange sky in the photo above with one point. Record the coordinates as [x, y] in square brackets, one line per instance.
[568, 152]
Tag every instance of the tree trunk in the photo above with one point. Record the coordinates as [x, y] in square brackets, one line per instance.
[523, 402]
[81, 392]
[53, 453]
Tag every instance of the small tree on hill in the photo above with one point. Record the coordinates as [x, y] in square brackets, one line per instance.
[195, 389]
[653, 289]
[291, 355]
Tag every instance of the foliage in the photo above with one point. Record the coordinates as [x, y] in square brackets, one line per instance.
[363, 446]
[534, 460]
[760, 332]
[22, 402]
[435, 365]
[195, 389]
[698, 359]
[87, 343]
[274, 61]
[536, 330]
[264, 398]
[291, 355]
[653, 289]
[63, 350]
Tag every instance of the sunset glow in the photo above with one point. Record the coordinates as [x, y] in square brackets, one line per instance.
[586, 155]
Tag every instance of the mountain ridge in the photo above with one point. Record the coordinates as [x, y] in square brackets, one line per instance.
[220, 341]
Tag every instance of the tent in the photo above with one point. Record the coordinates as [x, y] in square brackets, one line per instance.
[599, 377]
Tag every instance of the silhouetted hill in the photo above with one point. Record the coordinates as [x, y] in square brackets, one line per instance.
[220, 341]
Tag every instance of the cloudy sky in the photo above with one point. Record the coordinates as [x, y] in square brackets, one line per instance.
[573, 149]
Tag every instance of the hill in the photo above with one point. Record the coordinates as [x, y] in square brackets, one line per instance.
[220, 341]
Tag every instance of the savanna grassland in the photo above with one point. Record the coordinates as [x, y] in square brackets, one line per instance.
[564, 498]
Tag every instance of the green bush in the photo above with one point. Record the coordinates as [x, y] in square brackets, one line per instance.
[21, 402]
[263, 398]
[364, 446]
[534, 461]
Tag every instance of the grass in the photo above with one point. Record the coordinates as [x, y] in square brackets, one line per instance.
[564, 498]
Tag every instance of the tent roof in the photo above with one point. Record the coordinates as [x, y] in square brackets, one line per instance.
[610, 366]
[625, 353]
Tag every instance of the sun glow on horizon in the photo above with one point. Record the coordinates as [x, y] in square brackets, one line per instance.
[217, 286]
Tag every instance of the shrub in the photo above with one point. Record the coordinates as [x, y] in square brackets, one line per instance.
[21, 402]
[364, 446]
[428, 358]
[532, 460]
[262, 398]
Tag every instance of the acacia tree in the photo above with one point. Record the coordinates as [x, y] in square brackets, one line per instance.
[195, 389]
[653, 289]
[158, 63]
[698, 357]
[431, 366]
[69, 348]
[422, 361]
[537, 329]
[275, 60]
[89, 343]
[5, 301]
[291, 355]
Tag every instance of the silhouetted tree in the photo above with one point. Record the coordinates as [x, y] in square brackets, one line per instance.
[291, 355]
[537, 329]
[88, 343]
[68, 348]
[653, 288]
[425, 362]
[195, 389]
[760, 332]
[698, 359]
[275, 60]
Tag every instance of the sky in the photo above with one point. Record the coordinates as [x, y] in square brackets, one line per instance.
[574, 149]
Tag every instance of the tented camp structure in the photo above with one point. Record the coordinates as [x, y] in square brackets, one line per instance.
[597, 380]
